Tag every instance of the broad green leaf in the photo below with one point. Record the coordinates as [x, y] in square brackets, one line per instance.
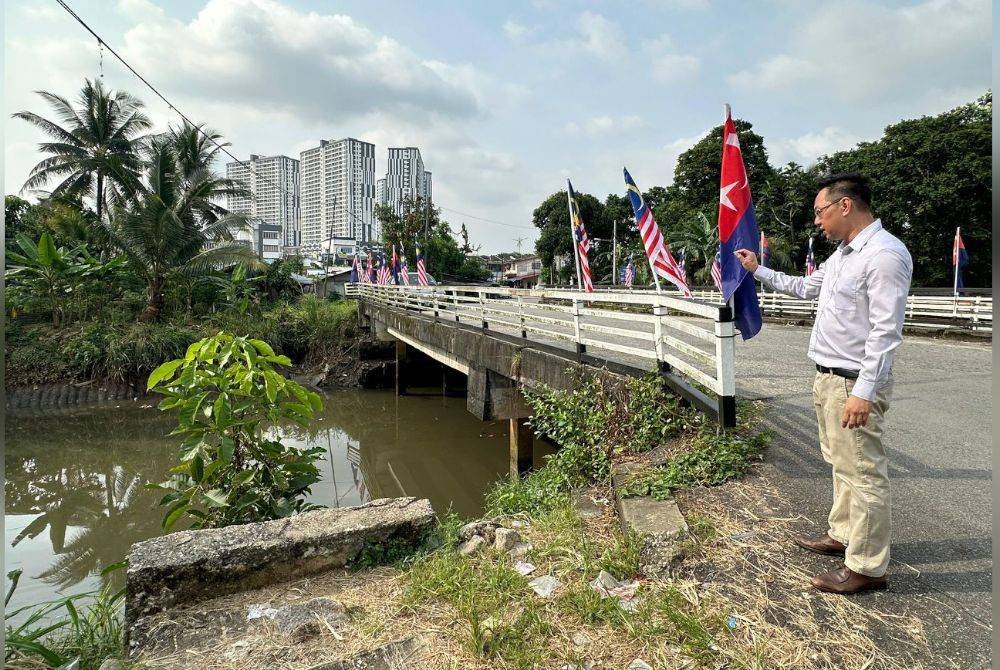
[197, 469]
[263, 347]
[174, 513]
[216, 498]
[271, 384]
[243, 478]
[315, 401]
[48, 255]
[163, 373]
[193, 349]
[226, 450]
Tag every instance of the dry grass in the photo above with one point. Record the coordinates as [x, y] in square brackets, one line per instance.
[745, 560]
[739, 602]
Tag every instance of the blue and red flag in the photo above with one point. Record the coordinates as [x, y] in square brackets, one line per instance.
[810, 259]
[737, 230]
[355, 274]
[959, 258]
[394, 266]
[370, 270]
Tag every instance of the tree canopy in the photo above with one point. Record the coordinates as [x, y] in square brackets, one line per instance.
[928, 175]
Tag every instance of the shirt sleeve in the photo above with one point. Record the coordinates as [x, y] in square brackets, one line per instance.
[888, 282]
[806, 288]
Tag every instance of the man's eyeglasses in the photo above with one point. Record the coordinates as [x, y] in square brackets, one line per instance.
[817, 211]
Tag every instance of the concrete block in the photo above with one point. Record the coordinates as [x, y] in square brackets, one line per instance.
[194, 565]
[661, 526]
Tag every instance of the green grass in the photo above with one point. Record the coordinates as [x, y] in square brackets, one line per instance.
[85, 626]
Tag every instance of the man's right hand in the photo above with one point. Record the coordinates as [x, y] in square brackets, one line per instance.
[747, 259]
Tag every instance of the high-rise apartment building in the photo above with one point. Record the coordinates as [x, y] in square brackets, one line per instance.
[337, 188]
[406, 178]
[273, 182]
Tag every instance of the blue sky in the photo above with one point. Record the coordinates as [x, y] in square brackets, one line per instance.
[506, 100]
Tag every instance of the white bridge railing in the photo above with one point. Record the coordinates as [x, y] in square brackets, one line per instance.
[689, 341]
[922, 311]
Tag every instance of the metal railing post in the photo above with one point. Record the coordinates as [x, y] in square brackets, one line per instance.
[659, 311]
[482, 311]
[580, 346]
[520, 316]
[725, 366]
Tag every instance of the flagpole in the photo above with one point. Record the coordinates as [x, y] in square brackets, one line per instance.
[572, 236]
[614, 253]
[954, 258]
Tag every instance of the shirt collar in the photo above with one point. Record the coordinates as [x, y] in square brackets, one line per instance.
[862, 238]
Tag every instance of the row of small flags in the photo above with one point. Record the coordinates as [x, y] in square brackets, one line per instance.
[382, 272]
[737, 230]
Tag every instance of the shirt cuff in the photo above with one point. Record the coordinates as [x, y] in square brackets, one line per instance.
[864, 389]
[763, 273]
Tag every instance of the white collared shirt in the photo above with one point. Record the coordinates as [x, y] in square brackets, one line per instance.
[862, 291]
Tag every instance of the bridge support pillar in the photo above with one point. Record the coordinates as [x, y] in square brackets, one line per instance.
[401, 361]
[522, 441]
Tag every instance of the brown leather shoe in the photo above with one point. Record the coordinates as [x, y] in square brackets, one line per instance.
[845, 582]
[821, 544]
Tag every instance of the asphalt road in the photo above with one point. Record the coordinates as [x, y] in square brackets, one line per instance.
[938, 435]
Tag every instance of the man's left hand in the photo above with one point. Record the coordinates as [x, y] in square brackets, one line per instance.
[856, 411]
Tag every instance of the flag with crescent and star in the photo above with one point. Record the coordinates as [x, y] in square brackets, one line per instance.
[737, 230]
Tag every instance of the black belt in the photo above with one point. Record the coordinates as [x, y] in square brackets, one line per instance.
[840, 372]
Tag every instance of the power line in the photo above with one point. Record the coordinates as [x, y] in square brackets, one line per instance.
[221, 147]
[480, 218]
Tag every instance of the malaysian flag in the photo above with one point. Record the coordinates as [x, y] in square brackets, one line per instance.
[404, 269]
[580, 238]
[421, 269]
[629, 273]
[717, 269]
[682, 265]
[658, 253]
[810, 259]
[383, 270]
[368, 276]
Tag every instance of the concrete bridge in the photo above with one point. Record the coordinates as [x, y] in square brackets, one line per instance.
[501, 339]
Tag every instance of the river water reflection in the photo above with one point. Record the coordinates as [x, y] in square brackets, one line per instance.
[75, 499]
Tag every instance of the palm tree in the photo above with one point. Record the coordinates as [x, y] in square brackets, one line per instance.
[168, 229]
[95, 150]
[699, 238]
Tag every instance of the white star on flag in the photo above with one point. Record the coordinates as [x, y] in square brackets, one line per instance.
[724, 195]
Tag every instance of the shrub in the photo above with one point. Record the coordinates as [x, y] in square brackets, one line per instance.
[229, 398]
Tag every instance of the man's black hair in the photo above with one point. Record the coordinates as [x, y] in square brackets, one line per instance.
[848, 185]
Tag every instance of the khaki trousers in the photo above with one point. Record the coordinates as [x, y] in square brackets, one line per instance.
[859, 517]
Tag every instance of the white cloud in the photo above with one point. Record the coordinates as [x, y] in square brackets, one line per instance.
[781, 72]
[318, 66]
[604, 125]
[666, 65]
[866, 52]
[600, 36]
[516, 31]
[806, 148]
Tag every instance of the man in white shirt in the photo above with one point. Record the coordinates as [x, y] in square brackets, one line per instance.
[861, 291]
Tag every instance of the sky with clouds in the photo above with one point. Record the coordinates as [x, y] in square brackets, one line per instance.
[506, 100]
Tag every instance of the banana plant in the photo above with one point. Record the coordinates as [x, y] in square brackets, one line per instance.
[50, 273]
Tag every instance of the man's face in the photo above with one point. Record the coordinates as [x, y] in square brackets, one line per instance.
[830, 216]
